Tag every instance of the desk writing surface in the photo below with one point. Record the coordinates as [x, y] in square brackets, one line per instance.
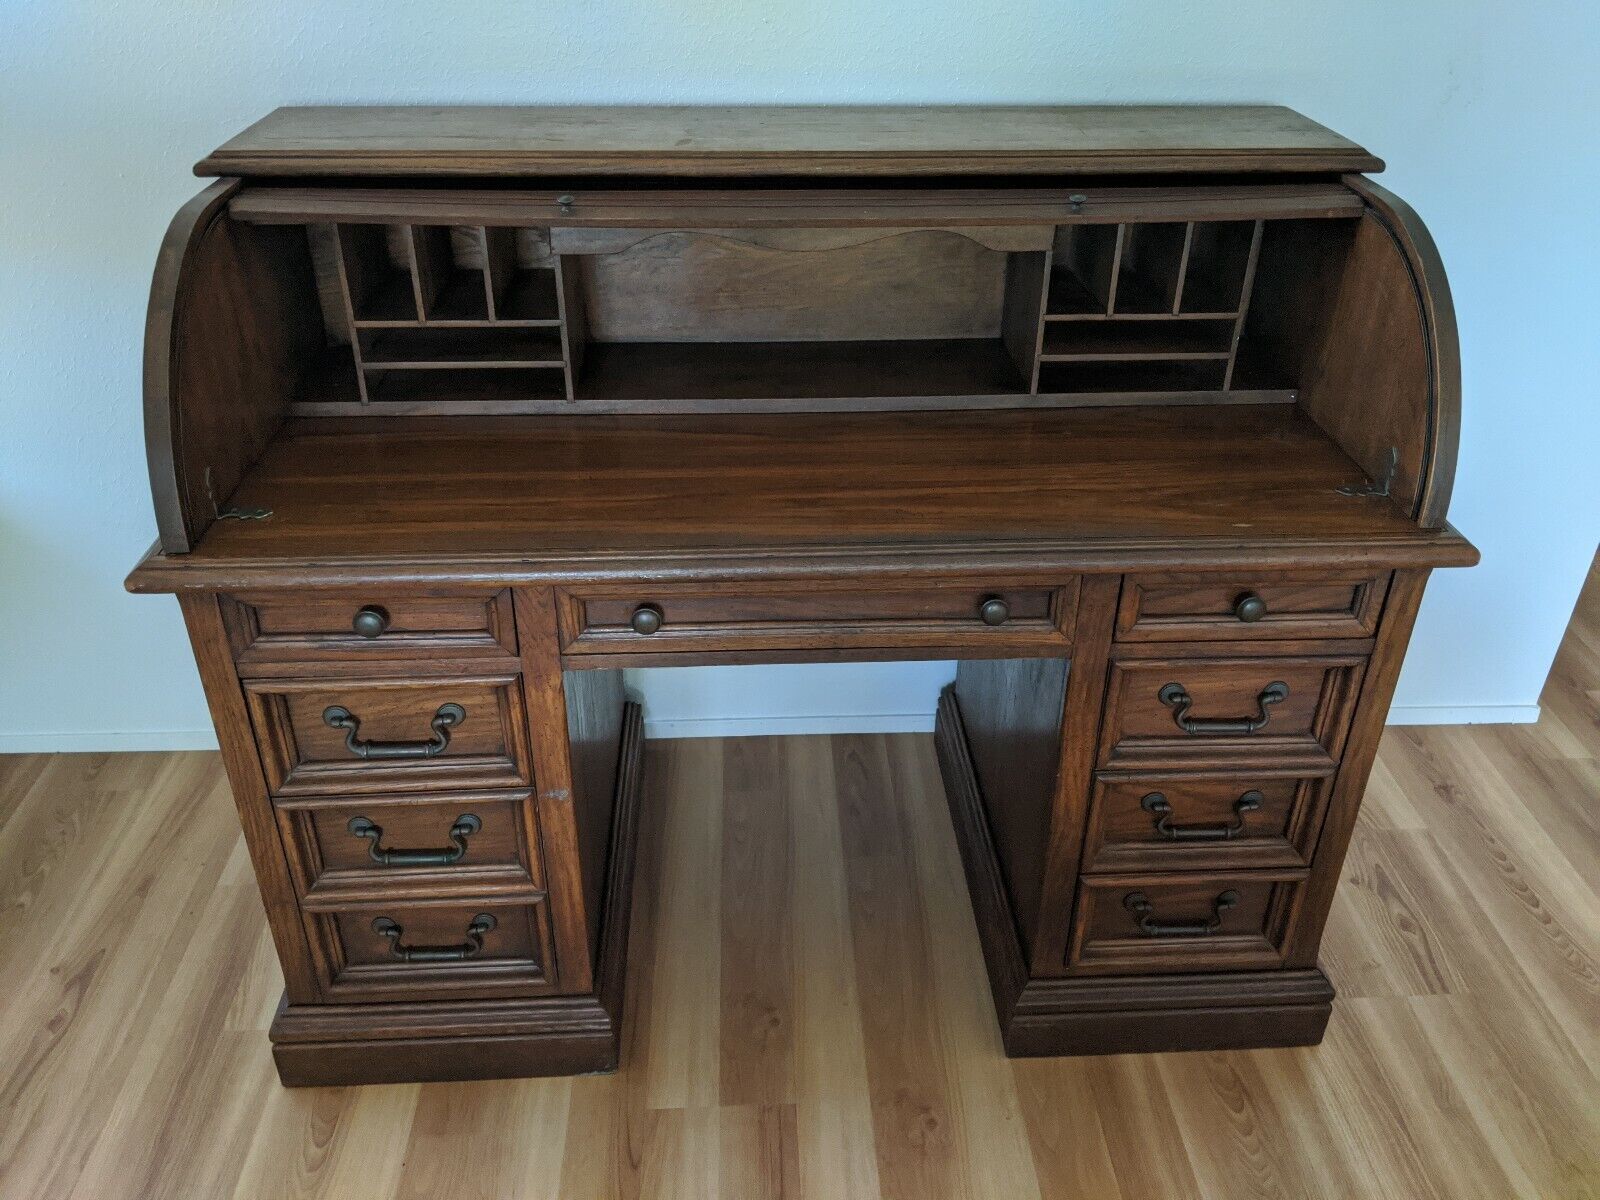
[847, 481]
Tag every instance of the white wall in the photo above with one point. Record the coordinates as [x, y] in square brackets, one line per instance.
[1486, 111]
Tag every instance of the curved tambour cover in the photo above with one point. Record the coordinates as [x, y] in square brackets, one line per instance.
[1385, 377]
[1356, 312]
[228, 333]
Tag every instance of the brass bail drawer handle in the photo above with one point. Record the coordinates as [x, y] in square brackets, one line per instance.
[1176, 697]
[481, 924]
[465, 826]
[1158, 806]
[444, 720]
[1143, 912]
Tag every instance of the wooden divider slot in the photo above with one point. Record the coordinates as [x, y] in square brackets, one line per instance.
[450, 273]
[1149, 267]
[1083, 270]
[522, 277]
[376, 261]
[1219, 255]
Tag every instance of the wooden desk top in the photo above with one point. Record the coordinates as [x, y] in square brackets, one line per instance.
[629, 493]
[804, 141]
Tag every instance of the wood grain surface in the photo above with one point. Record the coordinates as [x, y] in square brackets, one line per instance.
[854, 1055]
[880, 481]
[799, 140]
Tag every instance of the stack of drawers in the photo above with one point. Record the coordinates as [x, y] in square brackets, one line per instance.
[394, 743]
[1227, 707]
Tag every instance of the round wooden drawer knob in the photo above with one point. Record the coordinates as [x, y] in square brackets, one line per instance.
[646, 619]
[370, 622]
[995, 611]
[1250, 608]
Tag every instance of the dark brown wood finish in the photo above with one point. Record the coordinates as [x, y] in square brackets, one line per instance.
[334, 862]
[303, 754]
[1444, 343]
[362, 964]
[208, 637]
[226, 333]
[1228, 921]
[1173, 821]
[636, 488]
[499, 434]
[1270, 605]
[795, 215]
[1305, 729]
[1029, 620]
[1011, 716]
[851, 141]
[360, 626]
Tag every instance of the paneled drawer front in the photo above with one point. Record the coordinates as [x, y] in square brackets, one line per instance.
[608, 620]
[411, 733]
[1230, 712]
[403, 951]
[310, 626]
[1178, 822]
[1138, 924]
[410, 846]
[1177, 607]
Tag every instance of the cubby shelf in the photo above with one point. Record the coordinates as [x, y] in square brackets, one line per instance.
[470, 310]
[486, 318]
[430, 347]
[1134, 340]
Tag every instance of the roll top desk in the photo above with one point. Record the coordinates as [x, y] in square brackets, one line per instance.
[1144, 416]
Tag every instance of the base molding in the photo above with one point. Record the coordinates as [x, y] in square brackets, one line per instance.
[1046, 1016]
[333, 1045]
[326, 1045]
[1245, 1010]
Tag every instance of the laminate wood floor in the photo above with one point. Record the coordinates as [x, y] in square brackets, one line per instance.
[809, 1015]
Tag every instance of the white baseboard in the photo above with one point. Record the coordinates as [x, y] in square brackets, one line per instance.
[698, 727]
[108, 743]
[1463, 714]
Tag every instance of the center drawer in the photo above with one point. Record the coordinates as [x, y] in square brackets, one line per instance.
[413, 733]
[652, 619]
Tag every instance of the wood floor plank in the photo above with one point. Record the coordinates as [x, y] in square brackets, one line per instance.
[495, 1140]
[833, 1110]
[757, 969]
[1067, 1146]
[986, 1110]
[1137, 1117]
[918, 1151]
[685, 1058]
[759, 1152]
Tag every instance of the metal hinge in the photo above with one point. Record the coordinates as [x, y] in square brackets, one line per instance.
[1379, 486]
[233, 512]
